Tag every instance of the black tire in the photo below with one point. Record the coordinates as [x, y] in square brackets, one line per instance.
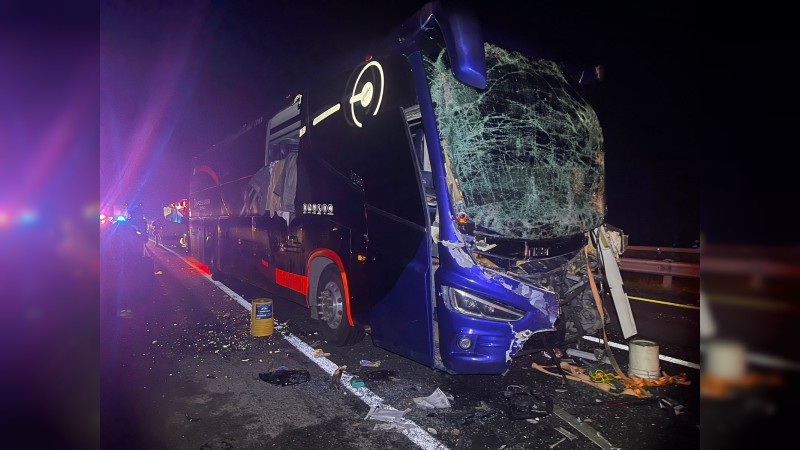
[333, 323]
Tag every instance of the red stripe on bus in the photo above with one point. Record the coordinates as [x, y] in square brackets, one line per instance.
[333, 256]
[292, 281]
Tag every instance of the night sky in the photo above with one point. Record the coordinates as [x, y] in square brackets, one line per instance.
[176, 79]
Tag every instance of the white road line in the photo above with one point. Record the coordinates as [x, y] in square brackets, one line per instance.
[415, 433]
[661, 357]
[245, 304]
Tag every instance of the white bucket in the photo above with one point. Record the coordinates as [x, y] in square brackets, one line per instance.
[725, 359]
[643, 361]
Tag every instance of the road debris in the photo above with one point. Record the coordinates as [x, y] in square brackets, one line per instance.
[672, 405]
[558, 442]
[436, 400]
[566, 433]
[319, 353]
[576, 373]
[389, 426]
[373, 375]
[366, 363]
[385, 414]
[583, 428]
[337, 376]
[526, 404]
[285, 377]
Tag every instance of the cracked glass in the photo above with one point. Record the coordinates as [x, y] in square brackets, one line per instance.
[523, 157]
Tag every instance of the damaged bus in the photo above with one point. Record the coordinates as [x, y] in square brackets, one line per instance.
[444, 195]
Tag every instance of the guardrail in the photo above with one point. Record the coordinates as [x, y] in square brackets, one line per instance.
[755, 263]
[663, 249]
[667, 269]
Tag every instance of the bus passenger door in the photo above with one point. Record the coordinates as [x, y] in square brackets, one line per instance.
[398, 252]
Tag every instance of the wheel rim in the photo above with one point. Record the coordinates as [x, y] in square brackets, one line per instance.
[330, 304]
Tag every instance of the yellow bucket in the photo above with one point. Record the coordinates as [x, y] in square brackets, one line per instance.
[261, 321]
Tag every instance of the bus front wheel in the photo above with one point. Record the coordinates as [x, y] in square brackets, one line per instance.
[333, 322]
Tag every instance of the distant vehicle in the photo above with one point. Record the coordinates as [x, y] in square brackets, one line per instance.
[172, 230]
[445, 194]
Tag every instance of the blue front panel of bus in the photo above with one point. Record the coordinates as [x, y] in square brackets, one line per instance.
[493, 343]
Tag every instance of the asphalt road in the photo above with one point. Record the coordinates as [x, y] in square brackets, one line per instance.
[180, 369]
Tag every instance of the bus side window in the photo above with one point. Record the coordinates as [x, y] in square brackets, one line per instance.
[283, 178]
[281, 149]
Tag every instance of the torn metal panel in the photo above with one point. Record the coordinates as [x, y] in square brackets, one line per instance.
[456, 250]
[517, 342]
[610, 256]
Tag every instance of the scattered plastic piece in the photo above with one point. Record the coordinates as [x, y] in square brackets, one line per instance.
[435, 400]
[671, 404]
[385, 414]
[366, 363]
[596, 356]
[285, 377]
[356, 382]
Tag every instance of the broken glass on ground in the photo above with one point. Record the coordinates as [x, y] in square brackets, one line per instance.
[465, 418]
[389, 426]
[285, 377]
[373, 375]
[436, 400]
[566, 433]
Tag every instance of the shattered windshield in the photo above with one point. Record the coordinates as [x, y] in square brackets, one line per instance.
[524, 157]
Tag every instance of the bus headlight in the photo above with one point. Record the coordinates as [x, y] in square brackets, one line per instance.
[474, 306]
